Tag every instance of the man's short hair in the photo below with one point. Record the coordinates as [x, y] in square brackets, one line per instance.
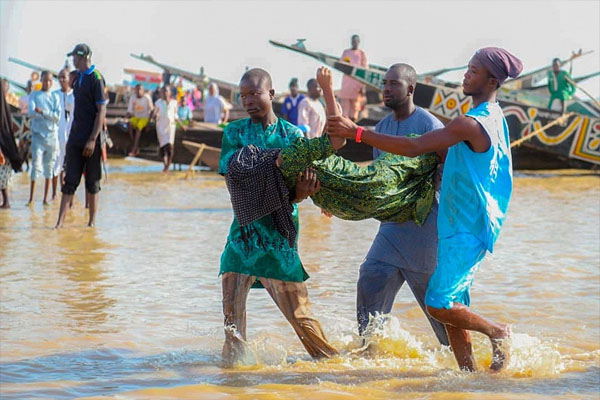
[44, 73]
[407, 72]
[261, 75]
[311, 81]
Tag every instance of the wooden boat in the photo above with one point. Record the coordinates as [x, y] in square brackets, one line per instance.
[226, 89]
[187, 142]
[204, 154]
[200, 132]
[531, 79]
[373, 92]
[574, 145]
[538, 96]
[330, 60]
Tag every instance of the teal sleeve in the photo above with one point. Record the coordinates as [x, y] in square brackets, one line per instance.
[229, 146]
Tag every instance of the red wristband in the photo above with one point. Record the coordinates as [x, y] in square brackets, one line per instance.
[358, 136]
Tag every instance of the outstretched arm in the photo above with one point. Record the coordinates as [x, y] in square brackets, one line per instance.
[325, 80]
[461, 129]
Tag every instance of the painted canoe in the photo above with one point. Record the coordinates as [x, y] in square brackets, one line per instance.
[574, 145]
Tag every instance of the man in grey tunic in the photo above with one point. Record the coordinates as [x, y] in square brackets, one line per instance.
[403, 252]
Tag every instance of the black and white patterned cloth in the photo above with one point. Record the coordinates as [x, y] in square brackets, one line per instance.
[257, 189]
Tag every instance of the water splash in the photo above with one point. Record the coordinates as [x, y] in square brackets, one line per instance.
[530, 357]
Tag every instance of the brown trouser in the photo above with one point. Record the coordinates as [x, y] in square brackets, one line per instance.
[292, 300]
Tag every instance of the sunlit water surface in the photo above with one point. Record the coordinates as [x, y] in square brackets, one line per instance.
[132, 308]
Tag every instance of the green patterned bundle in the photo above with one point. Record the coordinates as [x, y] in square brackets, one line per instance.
[392, 188]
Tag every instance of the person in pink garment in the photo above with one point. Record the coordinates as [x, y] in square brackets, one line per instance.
[352, 91]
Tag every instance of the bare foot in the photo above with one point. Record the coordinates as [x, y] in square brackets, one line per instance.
[46, 203]
[91, 224]
[500, 349]
[57, 227]
[29, 204]
[5, 206]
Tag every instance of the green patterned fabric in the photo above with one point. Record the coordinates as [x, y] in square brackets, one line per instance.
[392, 188]
[265, 252]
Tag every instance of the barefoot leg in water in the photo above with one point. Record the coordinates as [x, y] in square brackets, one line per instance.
[500, 349]
[459, 316]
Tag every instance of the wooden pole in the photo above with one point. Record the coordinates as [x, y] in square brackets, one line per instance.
[583, 90]
[190, 171]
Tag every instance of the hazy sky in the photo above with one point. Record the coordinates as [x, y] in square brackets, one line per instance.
[225, 36]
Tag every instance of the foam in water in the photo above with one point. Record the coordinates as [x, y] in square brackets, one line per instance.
[390, 346]
[532, 357]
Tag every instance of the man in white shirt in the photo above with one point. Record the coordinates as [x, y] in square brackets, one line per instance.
[216, 109]
[311, 114]
[67, 103]
[139, 109]
[165, 112]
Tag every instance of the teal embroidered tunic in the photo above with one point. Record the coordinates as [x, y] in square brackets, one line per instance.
[265, 252]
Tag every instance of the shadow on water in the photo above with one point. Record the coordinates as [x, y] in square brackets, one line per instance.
[106, 372]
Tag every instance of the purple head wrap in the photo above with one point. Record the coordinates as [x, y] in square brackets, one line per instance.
[499, 63]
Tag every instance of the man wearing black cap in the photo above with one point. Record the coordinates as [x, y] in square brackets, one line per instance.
[83, 147]
[476, 189]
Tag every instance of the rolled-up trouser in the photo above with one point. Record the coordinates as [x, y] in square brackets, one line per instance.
[292, 300]
[77, 164]
[377, 287]
[43, 157]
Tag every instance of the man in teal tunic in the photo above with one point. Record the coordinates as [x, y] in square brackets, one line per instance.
[559, 86]
[258, 255]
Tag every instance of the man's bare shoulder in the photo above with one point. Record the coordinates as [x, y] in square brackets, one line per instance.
[464, 124]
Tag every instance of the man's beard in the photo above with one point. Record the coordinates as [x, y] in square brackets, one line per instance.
[393, 104]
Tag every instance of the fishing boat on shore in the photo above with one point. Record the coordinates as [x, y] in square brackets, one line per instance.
[540, 138]
[199, 132]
